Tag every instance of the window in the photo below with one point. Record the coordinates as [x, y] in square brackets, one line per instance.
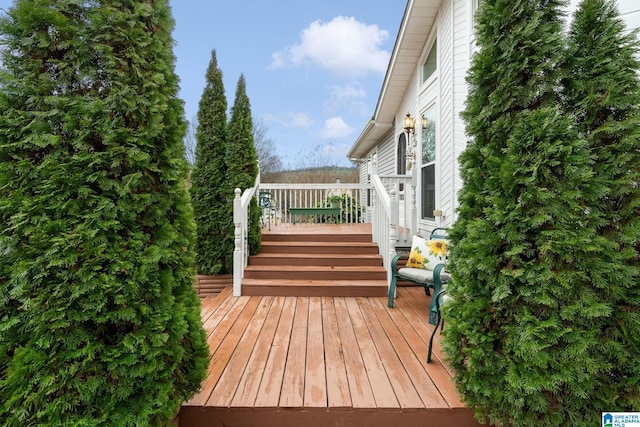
[402, 155]
[431, 63]
[401, 167]
[428, 171]
[369, 173]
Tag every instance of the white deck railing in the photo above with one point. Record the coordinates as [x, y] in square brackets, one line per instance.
[384, 220]
[285, 196]
[403, 189]
[391, 212]
[241, 234]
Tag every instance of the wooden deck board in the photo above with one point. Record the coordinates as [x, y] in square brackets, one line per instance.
[292, 393]
[209, 305]
[410, 357]
[225, 390]
[397, 359]
[318, 361]
[249, 383]
[269, 392]
[416, 301]
[338, 395]
[359, 386]
[223, 352]
[315, 384]
[380, 383]
[417, 330]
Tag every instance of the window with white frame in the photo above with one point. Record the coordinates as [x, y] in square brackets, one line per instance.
[428, 168]
[430, 65]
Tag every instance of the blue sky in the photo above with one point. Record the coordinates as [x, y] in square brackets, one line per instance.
[313, 69]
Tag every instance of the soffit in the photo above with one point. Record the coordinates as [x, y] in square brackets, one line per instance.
[417, 22]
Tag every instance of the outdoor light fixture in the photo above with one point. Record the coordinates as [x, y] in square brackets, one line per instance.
[410, 127]
[425, 122]
[409, 124]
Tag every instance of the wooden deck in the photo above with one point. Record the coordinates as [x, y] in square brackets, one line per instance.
[322, 361]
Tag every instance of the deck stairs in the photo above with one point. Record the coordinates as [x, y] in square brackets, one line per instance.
[333, 264]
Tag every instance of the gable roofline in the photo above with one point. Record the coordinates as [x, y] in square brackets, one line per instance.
[417, 22]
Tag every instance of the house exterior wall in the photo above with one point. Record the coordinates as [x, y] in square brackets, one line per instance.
[387, 154]
[629, 11]
[454, 30]
[464, 46]
[363, 178]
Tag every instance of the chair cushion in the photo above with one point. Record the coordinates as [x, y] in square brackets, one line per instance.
[427, 253]
[420, 275]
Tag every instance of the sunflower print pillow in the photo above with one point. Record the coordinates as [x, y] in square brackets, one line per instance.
[427, 253]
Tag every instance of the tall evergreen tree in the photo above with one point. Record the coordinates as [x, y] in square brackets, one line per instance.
[526, 266]
[209, 192]
[242, 160]
[602, 93]
[99, 321]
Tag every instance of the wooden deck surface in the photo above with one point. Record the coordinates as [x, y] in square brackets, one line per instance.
[317, 361]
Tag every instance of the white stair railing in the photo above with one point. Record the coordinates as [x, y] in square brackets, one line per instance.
[241, 234]
[403, 186]
[386, 227]
[384, 222]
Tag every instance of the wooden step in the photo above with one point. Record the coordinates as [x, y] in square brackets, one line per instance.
[315, 288]
[367, 260]
[318, 237]
[206, 285]
[304, 272]
[323, 260]
[298, 247]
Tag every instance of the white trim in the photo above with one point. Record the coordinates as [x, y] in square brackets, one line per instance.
[433, 38]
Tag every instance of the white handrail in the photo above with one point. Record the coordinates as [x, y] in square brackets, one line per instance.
[384, 214]
[383, 197]
[241, 234]
[385, 222]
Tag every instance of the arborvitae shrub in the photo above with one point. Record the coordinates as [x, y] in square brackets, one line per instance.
[529, 269]
[209, 191]
[602, 94]
[99, 321]
[242, 160]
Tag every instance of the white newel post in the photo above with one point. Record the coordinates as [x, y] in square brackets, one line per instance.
[393, 230]
[238, 256]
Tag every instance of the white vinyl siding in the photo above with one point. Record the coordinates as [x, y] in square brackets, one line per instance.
[462, 50]
[630, 12]
[387, 155]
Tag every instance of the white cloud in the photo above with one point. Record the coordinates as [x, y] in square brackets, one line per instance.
[335, 128]
[289, 120]
[344, 46]
[347, 96]
[347, 92]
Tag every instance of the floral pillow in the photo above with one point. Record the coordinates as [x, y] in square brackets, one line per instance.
[427, 253]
